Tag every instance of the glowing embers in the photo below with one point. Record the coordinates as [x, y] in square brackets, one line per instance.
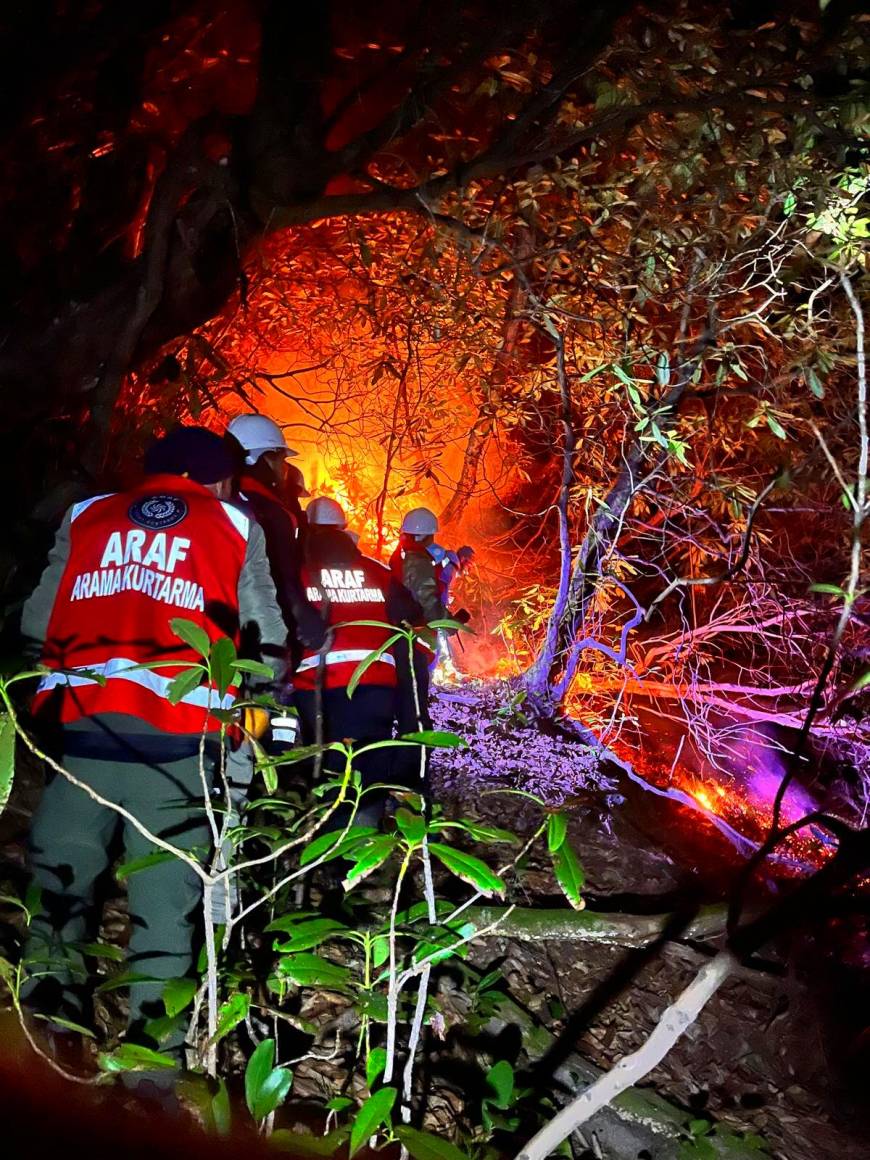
[750, 813]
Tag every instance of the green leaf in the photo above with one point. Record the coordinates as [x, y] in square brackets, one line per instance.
[313, 971]
[132, 1057]
[621, 375]
[775, 425]
[303, 1144]
[144, 863]
[426, 1146]
[67, 1023]
[698, 1148]
[437, 738]
[232, 1013]
[101, 951]
[569, 874]
[444, 945]
[255, 667]
[366, 662]
[663, 369]
[375, 1064]
[374, 1007]
[225, 716]
[591, 375]
[330, 842]
[470, 869]
[412, 826]
[500, 1078]
[453, 625]
[293, 756]
[192, 634]
[489, 980]
[291, 919]
[557, 828]
[478, 831]
[11, 900]
[221, 1110]
[221, 661]
[380, 950]
[368, 624]
[814, 383]
[266, 1086]
[7, 758]
[306, 935]
[163, 1026]
[339, 1104]
[372, 855]
[183, 684]
[829, 589]
[374, 1112]
[861, 683]
[87, 674]
[33, 898]
[125, 979]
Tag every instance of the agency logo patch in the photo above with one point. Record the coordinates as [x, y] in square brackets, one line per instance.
[157, 512]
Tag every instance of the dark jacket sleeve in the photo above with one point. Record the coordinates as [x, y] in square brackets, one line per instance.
[37, 609]
[258, 605]
[421, 581]
[285, 562]
[401, 605]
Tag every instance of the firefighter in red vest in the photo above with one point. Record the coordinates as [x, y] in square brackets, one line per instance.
[413, 565]
[347, 586]
[270, 488]
[122, 567]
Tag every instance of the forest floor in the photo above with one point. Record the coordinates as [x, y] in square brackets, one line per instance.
[769, 1053]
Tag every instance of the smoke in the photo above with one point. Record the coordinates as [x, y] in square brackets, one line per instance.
[760, 761]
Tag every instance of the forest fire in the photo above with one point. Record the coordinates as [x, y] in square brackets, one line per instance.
[588, 284]
[734, 804]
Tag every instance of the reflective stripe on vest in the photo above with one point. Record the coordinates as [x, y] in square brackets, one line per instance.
[121, 668]
[343, 657]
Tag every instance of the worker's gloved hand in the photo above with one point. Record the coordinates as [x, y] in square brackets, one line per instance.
[255, 721]
[310, 627]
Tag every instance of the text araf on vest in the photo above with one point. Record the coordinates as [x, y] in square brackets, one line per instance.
[143, 562]
[343, 586]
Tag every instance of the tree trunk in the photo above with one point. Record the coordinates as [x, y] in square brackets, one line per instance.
[549, 678]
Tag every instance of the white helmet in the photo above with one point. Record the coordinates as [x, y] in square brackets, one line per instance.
[258, 434]
[325, 513]
[420, 522]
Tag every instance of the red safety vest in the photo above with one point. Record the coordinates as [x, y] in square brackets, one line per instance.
[137, 560]
[357, 591]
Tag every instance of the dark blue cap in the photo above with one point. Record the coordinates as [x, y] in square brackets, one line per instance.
[192, 451]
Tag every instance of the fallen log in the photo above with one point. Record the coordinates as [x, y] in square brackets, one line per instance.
[528, 924]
